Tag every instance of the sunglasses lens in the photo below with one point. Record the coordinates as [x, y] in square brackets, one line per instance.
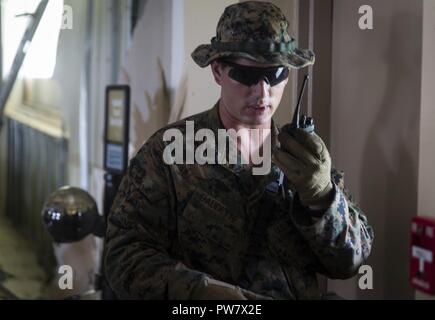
[243, 76]
[250, 76]
[278, 75]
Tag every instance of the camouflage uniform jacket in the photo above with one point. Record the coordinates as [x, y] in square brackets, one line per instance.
[172, 225]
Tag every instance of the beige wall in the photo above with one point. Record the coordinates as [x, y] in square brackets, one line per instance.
[426, 176]
[201, 18]
[376, 77]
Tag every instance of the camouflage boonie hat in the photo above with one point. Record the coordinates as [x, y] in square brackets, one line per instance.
[257, 31]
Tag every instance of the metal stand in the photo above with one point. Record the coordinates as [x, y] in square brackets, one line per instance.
[115, 159]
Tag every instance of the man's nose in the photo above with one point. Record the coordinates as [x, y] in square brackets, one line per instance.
[262, 87]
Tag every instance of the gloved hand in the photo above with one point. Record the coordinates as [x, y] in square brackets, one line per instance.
[211, 289]
[305, 160]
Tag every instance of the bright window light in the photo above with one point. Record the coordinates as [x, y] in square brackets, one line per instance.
[40, 60]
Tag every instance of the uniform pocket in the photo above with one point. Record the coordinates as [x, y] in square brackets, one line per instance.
[207, 216]
[210, 236]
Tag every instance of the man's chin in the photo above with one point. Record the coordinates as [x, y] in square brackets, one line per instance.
[257, 120]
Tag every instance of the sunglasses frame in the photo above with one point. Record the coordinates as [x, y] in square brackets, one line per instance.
[260, 73]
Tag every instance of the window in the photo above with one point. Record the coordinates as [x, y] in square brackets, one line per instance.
[40, 60]
[33, 100]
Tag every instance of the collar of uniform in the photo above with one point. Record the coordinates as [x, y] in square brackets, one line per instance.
[242, 170]
[215, 123]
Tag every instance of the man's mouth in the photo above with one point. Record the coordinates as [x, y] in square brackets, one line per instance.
[259, 108]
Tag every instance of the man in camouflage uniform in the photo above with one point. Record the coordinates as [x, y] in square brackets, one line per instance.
[216, 231]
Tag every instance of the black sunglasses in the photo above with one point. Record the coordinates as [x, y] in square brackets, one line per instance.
[250, 76]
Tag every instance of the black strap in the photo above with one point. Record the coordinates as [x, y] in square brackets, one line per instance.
[265, 47]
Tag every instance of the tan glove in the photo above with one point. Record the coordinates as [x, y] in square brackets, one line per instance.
[211, 289]
[305, 161]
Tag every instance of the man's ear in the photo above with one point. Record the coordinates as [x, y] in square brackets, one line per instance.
[216, 68]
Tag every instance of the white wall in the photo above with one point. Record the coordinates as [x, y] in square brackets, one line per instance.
[63, 89]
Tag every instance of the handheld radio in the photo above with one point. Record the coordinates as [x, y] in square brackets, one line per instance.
[298, 123]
